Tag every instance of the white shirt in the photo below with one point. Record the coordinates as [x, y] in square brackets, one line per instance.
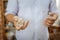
[34, 10]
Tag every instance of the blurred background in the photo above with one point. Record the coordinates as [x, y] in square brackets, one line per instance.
[7, 30]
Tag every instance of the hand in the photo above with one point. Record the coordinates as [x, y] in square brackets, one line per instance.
[19, 23]
[52, 17]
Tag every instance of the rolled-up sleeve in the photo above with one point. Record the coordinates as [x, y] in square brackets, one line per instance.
[53, 7]
[12, 7]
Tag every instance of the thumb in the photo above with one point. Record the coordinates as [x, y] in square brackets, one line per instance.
[54, 15]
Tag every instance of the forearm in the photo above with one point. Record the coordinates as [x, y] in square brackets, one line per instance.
[9, 17]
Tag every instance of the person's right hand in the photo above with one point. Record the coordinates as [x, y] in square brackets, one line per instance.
[19, 23]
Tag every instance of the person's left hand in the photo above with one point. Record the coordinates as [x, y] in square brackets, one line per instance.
[52, 17]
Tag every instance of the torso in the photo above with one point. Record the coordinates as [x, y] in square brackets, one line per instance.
[35, 11]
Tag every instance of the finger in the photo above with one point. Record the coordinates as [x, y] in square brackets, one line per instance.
[49, 21]
[51, 14]
[15, 24]
[18, 26]
[50, 18]
[54, 15]
[20, 20]
[16, 18]
[25, 24]
[48, 24]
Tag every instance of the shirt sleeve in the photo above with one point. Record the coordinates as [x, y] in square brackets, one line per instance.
[53, 7]
[12, 7]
